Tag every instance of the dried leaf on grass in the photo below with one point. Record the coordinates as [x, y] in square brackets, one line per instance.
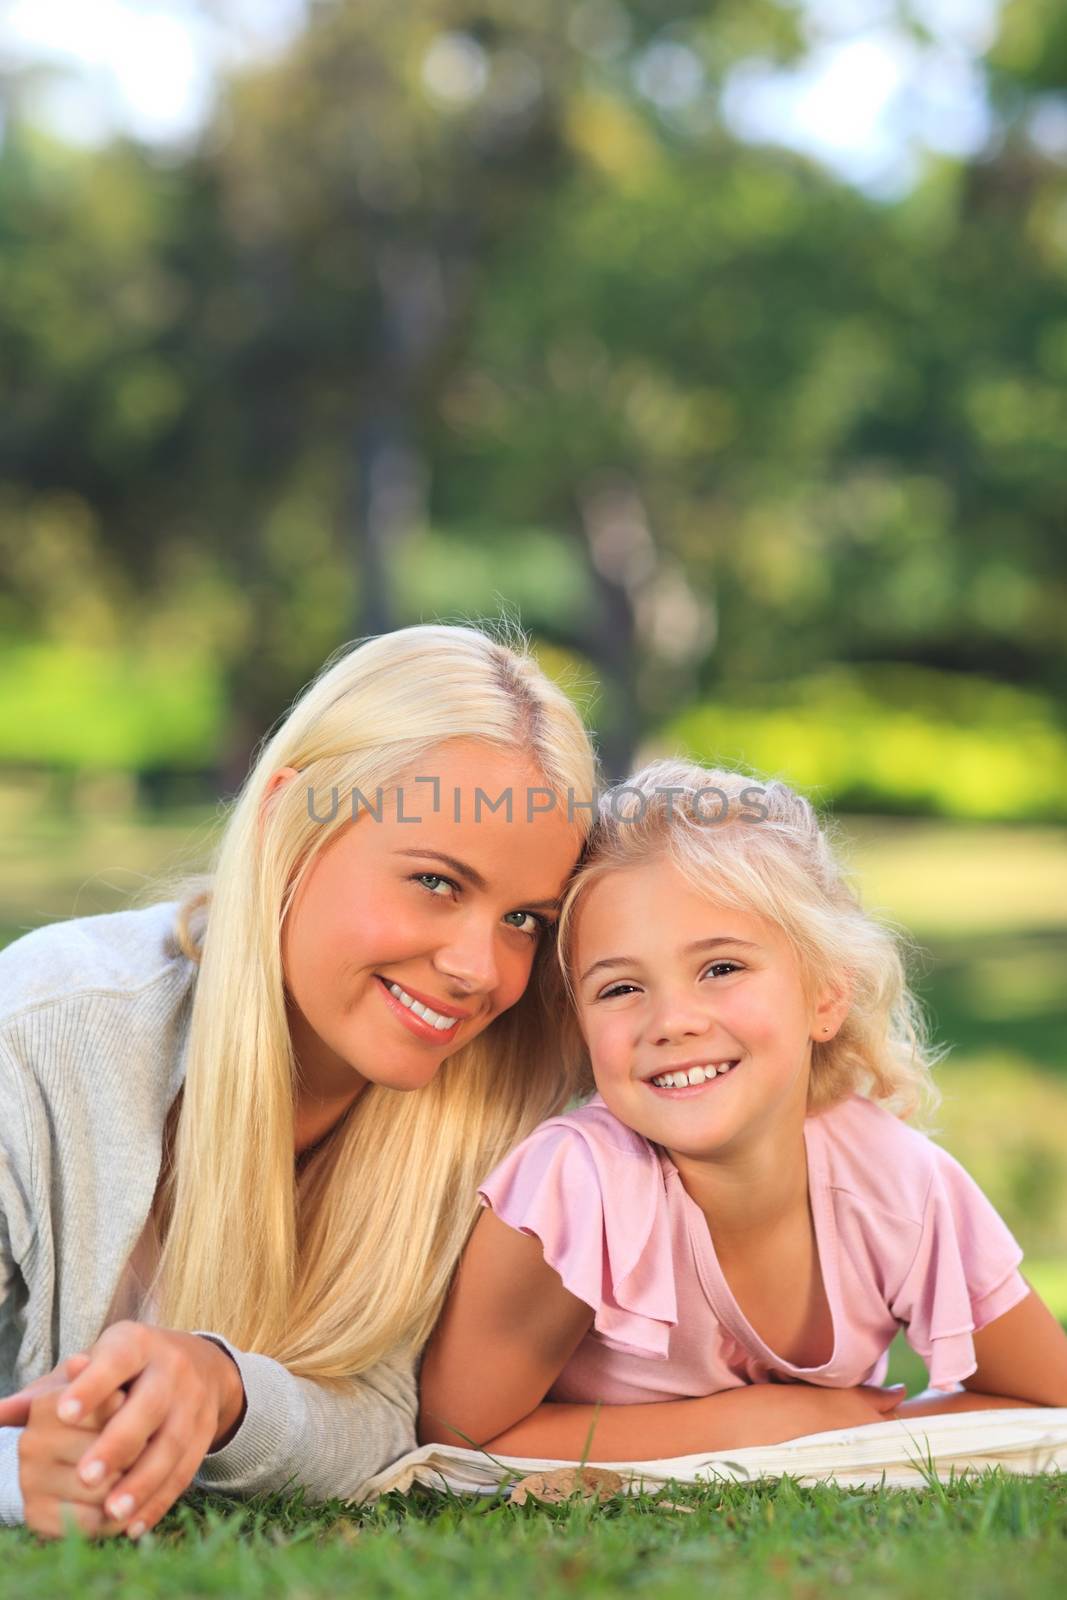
[588, 1483]
[342, 1532]
[672, 1505]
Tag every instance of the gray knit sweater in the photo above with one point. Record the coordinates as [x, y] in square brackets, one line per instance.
[94, 1016]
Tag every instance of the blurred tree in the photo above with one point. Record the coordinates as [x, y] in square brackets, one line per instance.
[457, 301]
[372, 182]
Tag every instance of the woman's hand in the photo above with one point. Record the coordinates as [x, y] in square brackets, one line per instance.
[53, 1495]
[178, 1396]
[15, 1408]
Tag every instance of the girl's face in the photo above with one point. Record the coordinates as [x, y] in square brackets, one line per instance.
[668, 982]
[409, 935]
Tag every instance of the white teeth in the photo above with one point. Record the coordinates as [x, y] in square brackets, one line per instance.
[435, 1018]
[695, 1075]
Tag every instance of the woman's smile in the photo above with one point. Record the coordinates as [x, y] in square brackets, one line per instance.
[425, 1021]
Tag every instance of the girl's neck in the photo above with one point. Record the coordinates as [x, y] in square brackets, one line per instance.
[749, 1190]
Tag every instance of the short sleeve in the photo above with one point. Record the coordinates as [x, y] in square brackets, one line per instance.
[599, 1209]
[965, 1274]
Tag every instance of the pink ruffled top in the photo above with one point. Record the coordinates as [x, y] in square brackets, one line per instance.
[905, 1237]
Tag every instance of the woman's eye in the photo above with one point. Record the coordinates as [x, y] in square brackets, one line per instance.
[529, 922]
[432, 881]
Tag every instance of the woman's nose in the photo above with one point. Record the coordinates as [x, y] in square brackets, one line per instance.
[469, 958]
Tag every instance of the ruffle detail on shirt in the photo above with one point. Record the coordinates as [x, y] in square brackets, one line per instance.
[963, 1276]
[592, 1192]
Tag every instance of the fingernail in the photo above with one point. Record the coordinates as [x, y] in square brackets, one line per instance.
[69, 1410]
[135, 1530]
[92, 1472]
[121, 1507]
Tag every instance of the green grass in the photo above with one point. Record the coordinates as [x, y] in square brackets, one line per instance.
[988, 907]
[994, 1537]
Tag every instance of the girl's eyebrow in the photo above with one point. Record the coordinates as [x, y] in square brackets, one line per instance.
[473, 876]
[610, 962]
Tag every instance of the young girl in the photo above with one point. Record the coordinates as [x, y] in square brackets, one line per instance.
[721, 1244]
[232, 1132]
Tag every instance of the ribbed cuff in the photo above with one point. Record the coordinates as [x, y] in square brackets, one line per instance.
[262, 1451]
[12, 1511]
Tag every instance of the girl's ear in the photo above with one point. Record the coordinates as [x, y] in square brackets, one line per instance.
[831, 1009]
[279, 780]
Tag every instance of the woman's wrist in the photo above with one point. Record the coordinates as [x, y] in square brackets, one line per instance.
[230, 1392]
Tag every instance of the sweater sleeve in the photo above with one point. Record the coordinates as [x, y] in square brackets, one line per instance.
[299, 1433]
[11, 1513]
[15, 1241]
[10, 1494]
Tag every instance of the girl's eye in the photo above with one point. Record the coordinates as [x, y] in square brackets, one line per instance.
[431, 880]
[716, 969]
[539, 924]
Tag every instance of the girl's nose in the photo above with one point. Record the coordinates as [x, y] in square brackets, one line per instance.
[469, 958]
[677, 1017]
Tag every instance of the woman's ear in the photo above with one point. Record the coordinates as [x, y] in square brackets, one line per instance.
[279, 780]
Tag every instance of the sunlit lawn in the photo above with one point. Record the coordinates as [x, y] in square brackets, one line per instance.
[988, 907]
[997, 1539]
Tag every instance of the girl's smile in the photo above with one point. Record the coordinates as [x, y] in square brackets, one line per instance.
[695, 1014]
[697, 1076]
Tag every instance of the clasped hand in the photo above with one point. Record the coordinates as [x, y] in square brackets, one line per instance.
[112, 1437]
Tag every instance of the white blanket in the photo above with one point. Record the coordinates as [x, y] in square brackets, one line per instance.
[1024, 1441]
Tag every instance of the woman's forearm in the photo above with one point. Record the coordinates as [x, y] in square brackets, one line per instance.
[753, 1414]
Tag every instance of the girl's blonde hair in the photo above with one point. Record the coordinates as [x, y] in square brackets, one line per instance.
[331, 1269]
[759, 847]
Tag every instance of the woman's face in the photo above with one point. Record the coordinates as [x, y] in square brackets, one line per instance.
[409, 935]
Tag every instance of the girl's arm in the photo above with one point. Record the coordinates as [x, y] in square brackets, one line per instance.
[507, 1332]
[1022, 1361]
[755, 1414]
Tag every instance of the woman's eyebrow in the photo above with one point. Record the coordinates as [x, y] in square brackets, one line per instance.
[610, 962]
[463, 870]
[460, 868]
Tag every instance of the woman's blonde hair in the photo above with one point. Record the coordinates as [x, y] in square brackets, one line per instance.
[759, 847]
[332, 1269]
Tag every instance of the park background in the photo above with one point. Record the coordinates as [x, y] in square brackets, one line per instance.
[723, 345]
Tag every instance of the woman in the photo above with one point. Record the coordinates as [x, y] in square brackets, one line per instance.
[221, 1225]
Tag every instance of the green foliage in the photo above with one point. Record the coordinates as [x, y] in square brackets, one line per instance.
[94, 710]
[892, 739]
[442, 275]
